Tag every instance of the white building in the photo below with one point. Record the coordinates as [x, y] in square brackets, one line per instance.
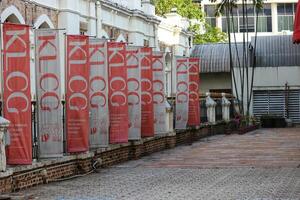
[276, 18]
[175, 40]
[276, 85]
[131, 21]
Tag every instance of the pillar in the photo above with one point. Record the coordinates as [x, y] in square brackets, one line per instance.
[211, 109]
[3, 141]
[169, 117]
[225, 108]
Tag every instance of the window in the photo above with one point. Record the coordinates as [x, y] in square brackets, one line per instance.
[241, 24]
[210, 15]
[83, 28]
[264, 20]
[286, 13]
[146, 43]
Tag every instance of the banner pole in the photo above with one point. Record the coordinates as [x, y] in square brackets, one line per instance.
[37, 134]
[64, 103]
[1, 69]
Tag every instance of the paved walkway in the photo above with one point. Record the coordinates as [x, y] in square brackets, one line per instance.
[264, 164]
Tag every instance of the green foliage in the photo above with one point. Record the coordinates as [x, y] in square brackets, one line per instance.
[190, 10]
[211, 34]
[185, 8]
[221, 7]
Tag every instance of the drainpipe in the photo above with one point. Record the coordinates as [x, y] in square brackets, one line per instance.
[287, 91]
[96, 14]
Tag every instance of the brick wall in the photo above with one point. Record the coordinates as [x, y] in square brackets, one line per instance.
[83, 163]
[30, 11]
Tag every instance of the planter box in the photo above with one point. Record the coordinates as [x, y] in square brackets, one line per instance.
[273, 122]
[247, 129]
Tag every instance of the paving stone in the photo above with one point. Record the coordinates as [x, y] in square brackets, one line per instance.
[261, 165]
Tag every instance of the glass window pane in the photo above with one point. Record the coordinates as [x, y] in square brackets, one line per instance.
[269, 24]
[209, 10]
[267, 9]
[280, 8]
[224, 24]
[285, 23]
[291, 23]
[280, 23]
[289, 8]
[235, 12]
[236, 24]
[247, 26]
[261, 24]
[250, 10]
[213, 22]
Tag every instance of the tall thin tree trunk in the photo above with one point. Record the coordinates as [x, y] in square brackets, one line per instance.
[232, 73]
[254, 60]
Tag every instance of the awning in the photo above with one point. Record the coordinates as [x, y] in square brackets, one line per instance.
[296, 35]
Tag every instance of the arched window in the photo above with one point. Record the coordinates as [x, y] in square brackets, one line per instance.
[121, 38]
[11, 14]
[43, 21]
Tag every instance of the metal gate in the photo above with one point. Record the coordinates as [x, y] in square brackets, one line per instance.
[277, 102]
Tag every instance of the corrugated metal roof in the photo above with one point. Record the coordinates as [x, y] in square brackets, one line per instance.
[215, 57]
[271, 51]
[275, 51]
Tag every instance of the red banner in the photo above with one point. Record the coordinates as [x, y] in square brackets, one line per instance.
[16, 92]
[134, 92]
[118, 104]
[194, 106]
[159, 100]
[77, 93]
[147, 93]
[182, 93]
[48, 90]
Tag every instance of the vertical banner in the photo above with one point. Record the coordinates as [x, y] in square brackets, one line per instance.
[99, 119]
[194, 105]
[117, 94]
[147, 92]
[16, 92]
[134, 92]
[182, 93]
[48, 88]
[77, 93]
[159, 101]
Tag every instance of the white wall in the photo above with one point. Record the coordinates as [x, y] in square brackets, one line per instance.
[49, 3]
[239, 36]
[214, 81]
[272, 78]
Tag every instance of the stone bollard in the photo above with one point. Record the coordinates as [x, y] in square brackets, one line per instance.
[225, 108]
[169, 117]
[211, 109]
[3, 141]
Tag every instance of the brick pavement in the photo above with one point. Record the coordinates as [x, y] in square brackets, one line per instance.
[260, 148]
[263, 164]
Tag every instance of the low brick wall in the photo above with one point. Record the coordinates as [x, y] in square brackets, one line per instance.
[50, 170]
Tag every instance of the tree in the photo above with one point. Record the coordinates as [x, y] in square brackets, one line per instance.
[211, 34]
[246, 62]
[190, 10]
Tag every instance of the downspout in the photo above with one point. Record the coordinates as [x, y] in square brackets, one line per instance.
[96, 14]
[287, 91]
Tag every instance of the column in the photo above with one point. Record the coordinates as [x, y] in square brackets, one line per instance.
[225, 108]
[211, 109]
[3, 141]
[274, 17]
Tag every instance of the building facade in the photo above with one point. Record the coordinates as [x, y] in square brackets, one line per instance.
[276, 83]
[276, 18]
[133, 22]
